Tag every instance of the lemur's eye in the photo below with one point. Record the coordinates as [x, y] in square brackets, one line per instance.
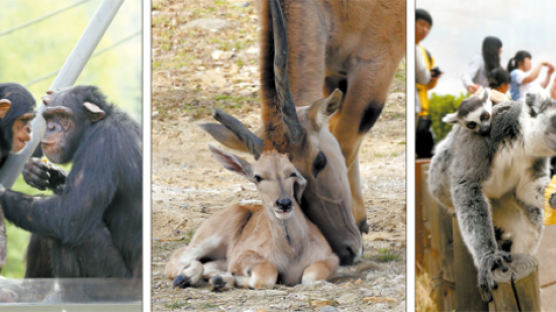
[485, 116]
[293, 175]
[258, 178]
[471, 125]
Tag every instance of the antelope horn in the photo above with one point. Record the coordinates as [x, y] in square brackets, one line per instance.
[251, 141]
[294, 131]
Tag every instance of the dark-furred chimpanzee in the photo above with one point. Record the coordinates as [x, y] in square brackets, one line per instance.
[91, 227]
[16, 112]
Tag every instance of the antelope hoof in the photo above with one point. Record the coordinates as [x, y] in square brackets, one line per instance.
[182, 281]
[217, 283]
[364, 227]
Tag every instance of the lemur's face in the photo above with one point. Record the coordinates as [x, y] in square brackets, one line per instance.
[478, 120]
[474, 114]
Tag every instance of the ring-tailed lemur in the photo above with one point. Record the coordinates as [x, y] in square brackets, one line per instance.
[473, 113]
[497, 180]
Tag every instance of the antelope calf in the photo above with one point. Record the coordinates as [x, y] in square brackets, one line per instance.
[258, 245]
[300, 130]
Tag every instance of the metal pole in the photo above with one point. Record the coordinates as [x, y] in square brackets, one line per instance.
[69, 72]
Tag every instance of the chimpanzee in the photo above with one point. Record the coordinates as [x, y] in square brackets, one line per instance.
[91, 227]
[16, 112]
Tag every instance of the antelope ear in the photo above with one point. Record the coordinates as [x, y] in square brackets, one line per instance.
[95, 112]
[224, 136]
[299, 187]
[5, 105]
[321, 109]
[332, 103]
[232, 162]
[450, 118]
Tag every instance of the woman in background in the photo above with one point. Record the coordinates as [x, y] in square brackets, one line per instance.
[477, 71]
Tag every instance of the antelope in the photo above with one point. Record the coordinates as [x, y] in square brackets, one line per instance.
[302, 132]
[255, 245]
[355, 46]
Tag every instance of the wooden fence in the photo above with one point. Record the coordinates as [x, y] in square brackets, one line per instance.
[441, 252]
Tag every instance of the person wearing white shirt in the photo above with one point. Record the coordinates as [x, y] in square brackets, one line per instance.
[523, 78]
[476, 75]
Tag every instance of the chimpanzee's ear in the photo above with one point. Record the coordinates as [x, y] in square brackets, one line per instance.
[5, 105]
[95, 112]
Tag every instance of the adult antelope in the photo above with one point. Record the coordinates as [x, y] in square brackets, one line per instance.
[257, 244]
[301, 132]
[355, 46]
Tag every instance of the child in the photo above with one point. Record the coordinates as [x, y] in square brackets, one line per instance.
[523, 80]
[499, 79]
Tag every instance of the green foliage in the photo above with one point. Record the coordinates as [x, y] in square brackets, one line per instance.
[387, 255]
[439, 106]
[40, 49]
[177, 304]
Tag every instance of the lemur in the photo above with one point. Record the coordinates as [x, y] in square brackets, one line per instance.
[497, 180]
[473, 114]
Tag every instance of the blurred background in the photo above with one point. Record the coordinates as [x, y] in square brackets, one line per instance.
[37, 36]
[460, 27]
[457, 34]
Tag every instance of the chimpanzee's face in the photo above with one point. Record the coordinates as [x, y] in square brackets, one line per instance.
[67, 116]
[60, 134]
[64, 125]
[21, 130]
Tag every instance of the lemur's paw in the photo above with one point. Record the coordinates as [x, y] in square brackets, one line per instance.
[552, 201]
[489, 263]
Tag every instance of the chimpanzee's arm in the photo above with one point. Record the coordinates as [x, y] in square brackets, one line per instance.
[72, 215]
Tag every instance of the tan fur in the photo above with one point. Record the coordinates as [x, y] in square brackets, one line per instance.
[252, 241]
[360, 41]
[5, 105]
[328, 200]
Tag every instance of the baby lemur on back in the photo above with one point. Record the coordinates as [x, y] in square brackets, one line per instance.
[473, 114]
[496, 179]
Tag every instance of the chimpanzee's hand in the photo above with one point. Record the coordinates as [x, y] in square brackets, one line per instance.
[35, 173]
[57, 178]
[41, 175]
[489, 263]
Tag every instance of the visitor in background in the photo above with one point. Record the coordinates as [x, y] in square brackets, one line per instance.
[523, 78]
[426, 76]
[476, 75]
[499, 79]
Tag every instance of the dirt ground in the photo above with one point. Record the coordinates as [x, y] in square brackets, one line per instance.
[205, 53]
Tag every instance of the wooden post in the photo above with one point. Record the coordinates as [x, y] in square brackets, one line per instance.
[421, 235]
[438, 238]
[465, 273]
[518, 288]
